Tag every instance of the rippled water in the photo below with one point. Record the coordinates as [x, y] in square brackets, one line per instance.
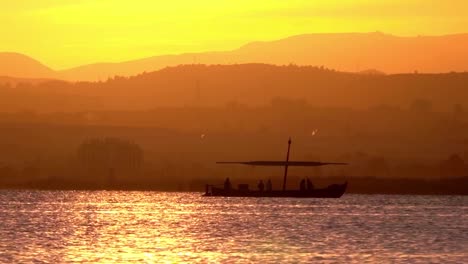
[154, 227]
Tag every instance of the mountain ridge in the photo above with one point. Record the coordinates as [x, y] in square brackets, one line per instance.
[13, 64]
[350, 52]
[200, 85]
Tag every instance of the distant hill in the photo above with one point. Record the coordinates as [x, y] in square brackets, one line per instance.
[22, 66]
[352, 52]
[349, 52]
[355, 52]
[102, 71]
[245, 84]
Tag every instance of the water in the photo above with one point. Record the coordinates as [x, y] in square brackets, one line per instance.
[155, 227]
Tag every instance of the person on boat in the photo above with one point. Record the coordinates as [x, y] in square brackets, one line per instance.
[302, 185]
[269, 187]
[227, 184]
[310, 186]
[261, 186]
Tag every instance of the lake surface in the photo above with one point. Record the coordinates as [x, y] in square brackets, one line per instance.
[154, 227]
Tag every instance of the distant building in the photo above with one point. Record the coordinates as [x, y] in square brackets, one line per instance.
[110, 157]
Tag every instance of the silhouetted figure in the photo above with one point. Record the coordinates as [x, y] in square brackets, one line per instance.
[269, 187]
[310, 186]
[227, 184]
[261, 186]
[302, 185]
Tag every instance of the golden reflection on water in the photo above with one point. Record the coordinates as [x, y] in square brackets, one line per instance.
[154, 227]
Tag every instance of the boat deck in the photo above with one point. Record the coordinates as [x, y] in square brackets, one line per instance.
[332, 191]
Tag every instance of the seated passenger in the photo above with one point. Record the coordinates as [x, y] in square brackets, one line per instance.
[261, 186]
[227, 184]
[302, 185]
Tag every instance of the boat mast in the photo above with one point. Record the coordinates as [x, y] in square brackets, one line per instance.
[286, 166]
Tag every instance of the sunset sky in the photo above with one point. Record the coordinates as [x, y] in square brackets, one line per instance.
[67, 33]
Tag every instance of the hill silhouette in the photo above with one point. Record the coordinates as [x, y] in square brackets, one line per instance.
[352, 52]
[355, 52]
[349, 52]
[22, 66]
[394, 130]
[249, 84]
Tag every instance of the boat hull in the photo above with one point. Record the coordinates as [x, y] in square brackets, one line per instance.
[332, 191]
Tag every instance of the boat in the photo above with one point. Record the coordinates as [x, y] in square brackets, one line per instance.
[331, 191]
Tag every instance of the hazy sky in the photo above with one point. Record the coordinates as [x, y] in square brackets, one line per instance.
[66, 33]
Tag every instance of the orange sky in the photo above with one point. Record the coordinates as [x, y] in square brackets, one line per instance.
[67, 33]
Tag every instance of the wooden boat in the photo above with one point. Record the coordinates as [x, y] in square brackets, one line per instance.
[332, 191]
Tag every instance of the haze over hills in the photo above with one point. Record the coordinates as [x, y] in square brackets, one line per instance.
[21, 66]
[359, 52]
[350, 52]
[411, 126]
[245, 84]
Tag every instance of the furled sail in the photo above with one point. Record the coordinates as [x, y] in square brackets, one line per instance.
[282, 163]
